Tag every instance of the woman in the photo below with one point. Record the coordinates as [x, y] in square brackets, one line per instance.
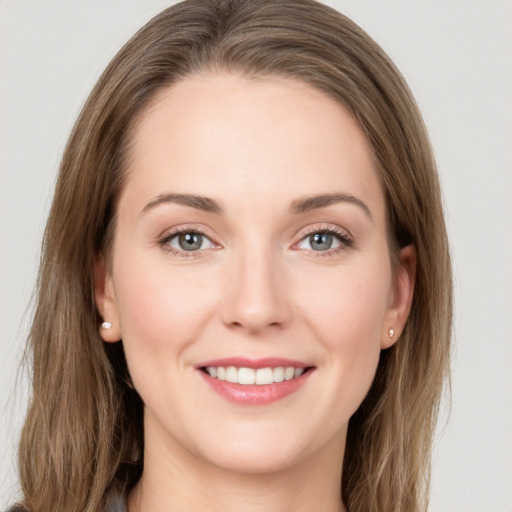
[241, 301]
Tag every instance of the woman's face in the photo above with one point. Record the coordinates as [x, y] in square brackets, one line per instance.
[251, 246]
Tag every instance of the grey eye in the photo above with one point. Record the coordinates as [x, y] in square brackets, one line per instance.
[190, 241]
[321, 241]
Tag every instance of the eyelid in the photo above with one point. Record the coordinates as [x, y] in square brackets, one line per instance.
[169, 234]
[204, 241]
[344, 236]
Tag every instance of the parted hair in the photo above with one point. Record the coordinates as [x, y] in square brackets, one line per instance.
[83, 435]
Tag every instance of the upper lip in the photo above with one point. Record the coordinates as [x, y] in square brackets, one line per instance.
[247, 362]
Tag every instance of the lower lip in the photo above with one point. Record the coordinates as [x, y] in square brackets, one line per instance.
[255, 395]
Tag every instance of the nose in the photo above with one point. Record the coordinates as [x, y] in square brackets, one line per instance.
[256, 298]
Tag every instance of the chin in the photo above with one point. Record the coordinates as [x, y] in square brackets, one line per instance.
[249, 462]
[258, 454]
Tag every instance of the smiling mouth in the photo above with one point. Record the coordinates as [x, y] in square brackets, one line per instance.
[255, 382]
[252, 376]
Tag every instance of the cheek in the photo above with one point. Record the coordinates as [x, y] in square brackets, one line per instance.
[346, 314]
[348, 305]
[161, 312]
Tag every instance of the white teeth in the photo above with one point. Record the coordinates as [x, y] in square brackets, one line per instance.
[231, 374]
[246, 376]
[249, 376]
[289, 373]
[212, 371]
[264, 376]
[279, 374]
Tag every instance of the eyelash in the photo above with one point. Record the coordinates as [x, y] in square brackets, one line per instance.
[343, 237]
[164, 240]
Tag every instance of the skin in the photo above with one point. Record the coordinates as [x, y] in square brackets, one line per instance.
[256, 288]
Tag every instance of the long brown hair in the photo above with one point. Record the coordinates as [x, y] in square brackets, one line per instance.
[83, 433]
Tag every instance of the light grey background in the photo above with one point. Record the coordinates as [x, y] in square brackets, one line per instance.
[456, 55]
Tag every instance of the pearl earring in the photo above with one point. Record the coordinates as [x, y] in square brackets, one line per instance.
[106, 325]
[391, 333]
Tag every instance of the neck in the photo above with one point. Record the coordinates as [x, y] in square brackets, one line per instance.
[177, 480]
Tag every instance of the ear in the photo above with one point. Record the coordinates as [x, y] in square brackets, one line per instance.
[402, 293]
[106, 300]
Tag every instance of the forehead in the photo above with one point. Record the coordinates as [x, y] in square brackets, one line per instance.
[231, 137]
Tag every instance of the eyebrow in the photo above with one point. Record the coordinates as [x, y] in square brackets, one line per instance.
[306, 204]
[301, 205]
[205, 204]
